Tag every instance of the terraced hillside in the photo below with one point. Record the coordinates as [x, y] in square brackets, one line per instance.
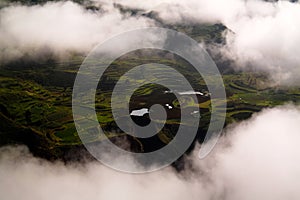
[35, 98]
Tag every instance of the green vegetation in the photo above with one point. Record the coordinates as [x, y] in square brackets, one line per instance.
[35, 102]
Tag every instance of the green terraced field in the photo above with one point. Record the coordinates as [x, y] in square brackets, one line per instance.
[35, 102]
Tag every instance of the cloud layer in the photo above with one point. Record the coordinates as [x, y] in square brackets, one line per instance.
[258, 159]
[263, 36]
[60, 27]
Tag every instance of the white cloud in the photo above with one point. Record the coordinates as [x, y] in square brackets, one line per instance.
[269, 42]
[263, 159]
[258, 159]
[61, 27]
[266, 35]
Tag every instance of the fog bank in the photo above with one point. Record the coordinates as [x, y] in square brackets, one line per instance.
[60, 28]
[258, 159]
[263, 36]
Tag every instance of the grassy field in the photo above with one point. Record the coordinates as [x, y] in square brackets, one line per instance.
[35, 102]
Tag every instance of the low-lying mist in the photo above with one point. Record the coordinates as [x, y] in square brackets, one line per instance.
[60, 28]
[262, 36]
[255, 159]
